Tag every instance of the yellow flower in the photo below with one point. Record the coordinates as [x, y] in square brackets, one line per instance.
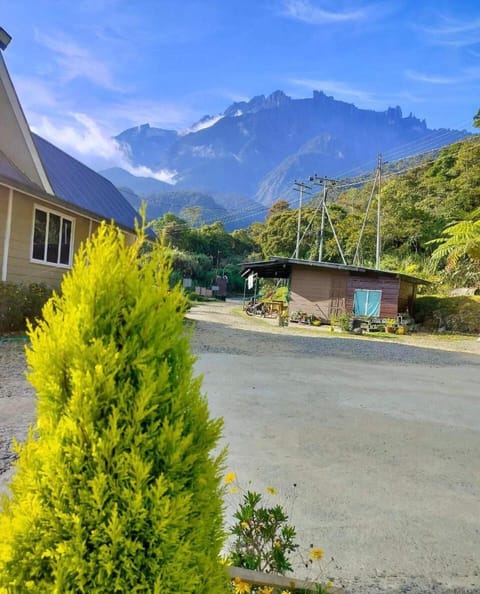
[265, 590]
[272, 490]
[278, 543]
[241, 586]
[286, 592]
[316, 554]
[244, 524]
[329, 584]
[230, 477]
[233, 490]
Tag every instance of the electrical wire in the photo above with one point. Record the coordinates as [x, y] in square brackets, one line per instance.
[419, 146]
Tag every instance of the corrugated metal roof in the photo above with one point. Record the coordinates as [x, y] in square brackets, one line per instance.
[276, 267]
[81, 186]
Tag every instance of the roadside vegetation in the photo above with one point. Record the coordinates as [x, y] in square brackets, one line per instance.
[18, 303]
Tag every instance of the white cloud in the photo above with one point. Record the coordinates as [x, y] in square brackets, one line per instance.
[339, 89]
[202, 124]
[453, 32]
[454, 26]
[83, 138]
[80, 135]
[464, 76]
[76, 61]
[361, 98]
[304, 10]
[134, 111]
[35, 91]
[166, 175]
[431, 78]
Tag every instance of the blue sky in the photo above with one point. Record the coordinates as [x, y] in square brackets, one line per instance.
[87, 69]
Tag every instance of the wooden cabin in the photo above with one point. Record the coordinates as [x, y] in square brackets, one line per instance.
[325, 290]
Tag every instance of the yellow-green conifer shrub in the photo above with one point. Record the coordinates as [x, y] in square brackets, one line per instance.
[117, 488]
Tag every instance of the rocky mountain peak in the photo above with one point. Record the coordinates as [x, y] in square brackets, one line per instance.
[282, 139]
[258, 103]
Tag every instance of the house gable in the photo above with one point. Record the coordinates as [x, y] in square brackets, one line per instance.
[15, 140]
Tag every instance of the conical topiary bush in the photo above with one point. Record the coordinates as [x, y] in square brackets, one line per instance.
[116, 488]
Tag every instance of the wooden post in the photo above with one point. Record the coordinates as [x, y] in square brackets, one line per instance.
[259, 578]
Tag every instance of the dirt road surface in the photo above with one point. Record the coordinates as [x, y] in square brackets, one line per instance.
[381, 439]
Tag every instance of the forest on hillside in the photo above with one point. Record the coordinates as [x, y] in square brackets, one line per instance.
[430, 227]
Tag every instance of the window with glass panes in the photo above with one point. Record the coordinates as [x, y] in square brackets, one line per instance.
[52, 238]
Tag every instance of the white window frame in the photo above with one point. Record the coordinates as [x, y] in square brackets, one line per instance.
[63, 217]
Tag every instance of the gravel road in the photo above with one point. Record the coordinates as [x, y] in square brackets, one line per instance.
[381, 439]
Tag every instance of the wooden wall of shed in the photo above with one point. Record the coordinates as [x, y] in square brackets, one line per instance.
[390, 287]
[318, 292]
[406, 297]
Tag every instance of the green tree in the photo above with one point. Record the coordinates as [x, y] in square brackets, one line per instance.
[117, 488]
[407, 222]
[215, 241]
[277, 206]
[192, 214]
[278, 235]
[244, 243]
[476, 119]
[175, 231]
[198, 267]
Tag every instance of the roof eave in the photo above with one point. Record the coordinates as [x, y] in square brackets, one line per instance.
[328, 265]
[52, 198]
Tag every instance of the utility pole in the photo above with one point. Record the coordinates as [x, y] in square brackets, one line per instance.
[322, 224]
[325, 181]
[299, 187]
[377, 252]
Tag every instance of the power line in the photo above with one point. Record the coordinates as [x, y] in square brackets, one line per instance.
[257, 210]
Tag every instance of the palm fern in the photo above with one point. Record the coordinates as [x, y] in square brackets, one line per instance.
[461, 239]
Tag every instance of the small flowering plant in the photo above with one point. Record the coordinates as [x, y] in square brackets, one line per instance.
[263, 540]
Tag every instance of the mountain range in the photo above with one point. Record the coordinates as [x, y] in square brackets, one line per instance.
[245, 159]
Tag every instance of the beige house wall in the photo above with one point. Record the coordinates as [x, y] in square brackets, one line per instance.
[3, 219]
[20, 267]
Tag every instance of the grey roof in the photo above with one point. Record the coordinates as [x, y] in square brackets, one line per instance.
[79, 185]
[281, 268]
